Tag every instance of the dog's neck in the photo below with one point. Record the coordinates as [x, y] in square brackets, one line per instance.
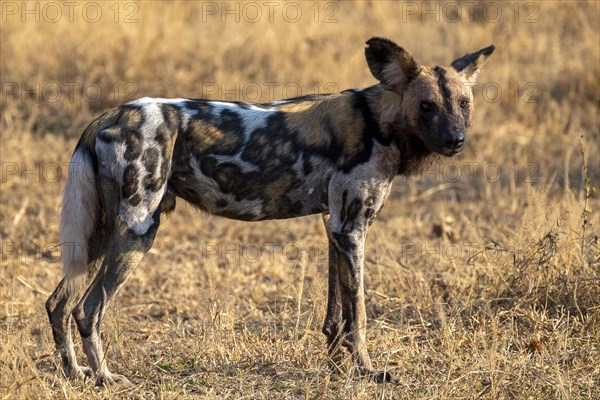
[414, 155]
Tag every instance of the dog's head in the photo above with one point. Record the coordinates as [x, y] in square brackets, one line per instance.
[433, 103]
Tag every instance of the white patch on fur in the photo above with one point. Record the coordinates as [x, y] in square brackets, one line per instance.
[78, 215]
[157, 100]
[112, 164]
[257, 108]
[139, 218]
[179, 103]
[252, 119]
[277, 103]
[111, 159]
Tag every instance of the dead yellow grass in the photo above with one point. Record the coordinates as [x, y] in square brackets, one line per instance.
[478, 285]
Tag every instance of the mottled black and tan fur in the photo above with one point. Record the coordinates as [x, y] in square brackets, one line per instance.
[334, 155]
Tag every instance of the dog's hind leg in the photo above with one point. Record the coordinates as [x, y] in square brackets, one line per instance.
[129, 239]
[82, 238]
[333, 325]
[62, 302]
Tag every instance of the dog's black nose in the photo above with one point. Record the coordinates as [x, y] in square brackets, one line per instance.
[460, 140]
[456, 141]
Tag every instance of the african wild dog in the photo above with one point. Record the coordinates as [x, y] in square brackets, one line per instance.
[334, 155]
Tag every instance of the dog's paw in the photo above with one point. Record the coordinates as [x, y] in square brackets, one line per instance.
[378, 376]
[110, 379]
[76, 372]
[383, 377]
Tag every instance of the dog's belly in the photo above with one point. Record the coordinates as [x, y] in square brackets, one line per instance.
[237, 191]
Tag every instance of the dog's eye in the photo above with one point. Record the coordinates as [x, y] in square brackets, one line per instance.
[426, 105]
[464, 103]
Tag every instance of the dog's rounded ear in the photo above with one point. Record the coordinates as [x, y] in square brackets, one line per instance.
[469, 65]
[389, 63]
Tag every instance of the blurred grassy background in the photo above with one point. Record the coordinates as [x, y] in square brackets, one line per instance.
[478, 281]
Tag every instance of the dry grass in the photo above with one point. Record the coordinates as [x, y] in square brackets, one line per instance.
[476, 288]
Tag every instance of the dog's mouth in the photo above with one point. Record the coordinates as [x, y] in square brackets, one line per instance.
[451, 152]
[446, 151]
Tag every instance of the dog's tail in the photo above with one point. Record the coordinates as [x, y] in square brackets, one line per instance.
[80, 209]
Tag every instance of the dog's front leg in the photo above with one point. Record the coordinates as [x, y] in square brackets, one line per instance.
[350, 247]
[352, 210]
